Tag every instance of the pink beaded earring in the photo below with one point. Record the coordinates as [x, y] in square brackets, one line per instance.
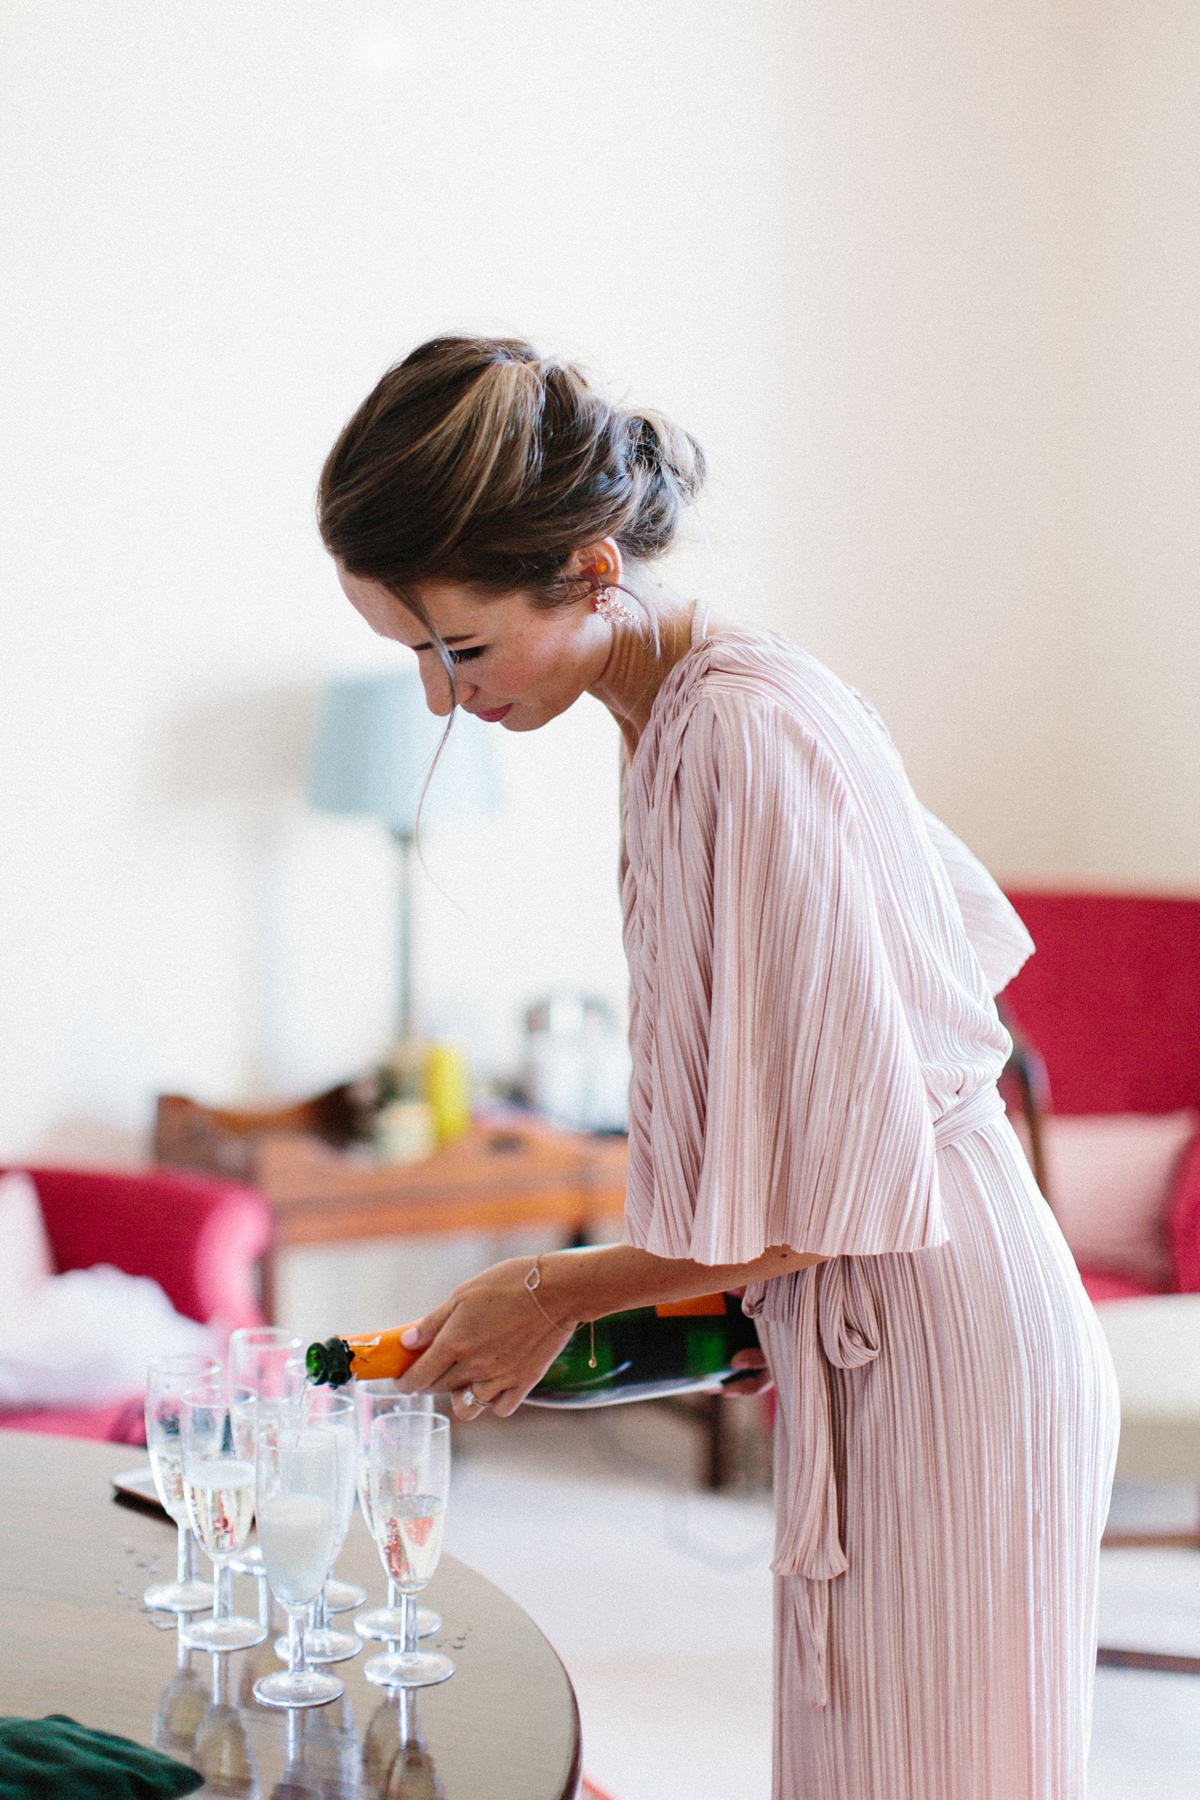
[610, 607]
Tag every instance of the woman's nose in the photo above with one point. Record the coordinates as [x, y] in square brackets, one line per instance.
[439, 697]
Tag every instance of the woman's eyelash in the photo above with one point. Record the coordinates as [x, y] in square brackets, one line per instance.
[460, 656]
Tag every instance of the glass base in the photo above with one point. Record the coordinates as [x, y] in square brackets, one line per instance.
[343, 1596]
[179, 1596]
[387, 1622]
[323, 1646]
[409, 1669]
[248, 1561]
[305, 1687]
[223, 1634]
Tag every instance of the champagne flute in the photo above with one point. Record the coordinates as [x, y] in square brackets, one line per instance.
[217, 1434]
[264, 1359]
[166, 1382]
[410, 1485]
[371, 1400]
[333, 1408]
[297, 1527]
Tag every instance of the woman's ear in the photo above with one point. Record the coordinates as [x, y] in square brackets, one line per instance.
[600, 564]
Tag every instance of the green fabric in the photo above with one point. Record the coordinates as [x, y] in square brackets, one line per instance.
[47, 1759]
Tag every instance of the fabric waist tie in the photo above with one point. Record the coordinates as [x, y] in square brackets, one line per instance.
[968, 1116]
[822, 1318]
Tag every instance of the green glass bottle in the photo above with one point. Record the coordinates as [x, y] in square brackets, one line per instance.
[684, 1347]
[648, 1353]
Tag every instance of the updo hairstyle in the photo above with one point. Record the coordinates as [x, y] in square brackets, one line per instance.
[475, 460]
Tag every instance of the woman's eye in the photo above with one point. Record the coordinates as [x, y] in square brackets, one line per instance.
[461, 656]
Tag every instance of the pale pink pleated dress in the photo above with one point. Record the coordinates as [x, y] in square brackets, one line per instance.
[815, 1050]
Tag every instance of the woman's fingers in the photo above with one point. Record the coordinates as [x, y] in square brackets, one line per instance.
[422, 1332]
[756, 1375]
[489, 1330]
[467, 1405]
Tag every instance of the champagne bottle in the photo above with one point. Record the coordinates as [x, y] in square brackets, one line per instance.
[681, 1347]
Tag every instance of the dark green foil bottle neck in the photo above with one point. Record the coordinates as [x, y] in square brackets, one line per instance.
[328, 1363]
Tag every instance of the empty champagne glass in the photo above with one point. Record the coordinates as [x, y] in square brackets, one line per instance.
[334, 1408]
[166, 1382]
[410, 1485]
[269, 1360]
[217, 1432]
[372, 1399]
[297, 1528]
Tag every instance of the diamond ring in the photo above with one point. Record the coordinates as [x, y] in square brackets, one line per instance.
[468, 1397]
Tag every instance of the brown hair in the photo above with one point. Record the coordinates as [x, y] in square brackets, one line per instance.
[476, 460]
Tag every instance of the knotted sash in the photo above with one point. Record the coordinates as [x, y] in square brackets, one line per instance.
[817, 1319]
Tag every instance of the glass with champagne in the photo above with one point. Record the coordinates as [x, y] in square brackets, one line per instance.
[409, 1487]
[217, 1432]
[167, 1380]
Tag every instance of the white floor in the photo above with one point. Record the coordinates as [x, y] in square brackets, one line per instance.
[657, 1596]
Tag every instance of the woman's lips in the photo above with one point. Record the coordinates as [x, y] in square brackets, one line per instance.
[494, 718]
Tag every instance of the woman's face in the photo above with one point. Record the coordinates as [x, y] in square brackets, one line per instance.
[515, 665]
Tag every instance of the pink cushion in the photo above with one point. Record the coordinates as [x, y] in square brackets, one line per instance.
[1183, 1225]
[1111, 1180]
[121, 1422]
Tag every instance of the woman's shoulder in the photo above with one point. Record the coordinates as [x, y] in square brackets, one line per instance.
[752, 676]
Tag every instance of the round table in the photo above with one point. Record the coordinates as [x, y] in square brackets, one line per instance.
[73, 1564]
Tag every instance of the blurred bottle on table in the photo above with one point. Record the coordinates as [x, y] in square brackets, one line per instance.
[425, 1100]
[577, 1062]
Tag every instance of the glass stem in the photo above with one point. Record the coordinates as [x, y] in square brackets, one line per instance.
[410, 1623]
[181, 1554]
[296, 1639]
[222, 1591]
[393, 1595]
[322, 1611]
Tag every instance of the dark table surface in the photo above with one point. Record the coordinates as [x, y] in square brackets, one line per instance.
[74, 1639]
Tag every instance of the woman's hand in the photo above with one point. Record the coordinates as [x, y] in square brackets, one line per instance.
[758, 1381]
[489, 1340]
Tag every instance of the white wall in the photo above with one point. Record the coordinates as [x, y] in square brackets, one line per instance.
[922, 281]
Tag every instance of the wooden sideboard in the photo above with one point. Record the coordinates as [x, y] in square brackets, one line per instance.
[498, 1178]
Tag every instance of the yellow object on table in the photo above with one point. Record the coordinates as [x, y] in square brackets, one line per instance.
[448, 1091]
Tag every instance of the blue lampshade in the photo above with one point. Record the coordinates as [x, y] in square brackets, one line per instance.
[375, 744]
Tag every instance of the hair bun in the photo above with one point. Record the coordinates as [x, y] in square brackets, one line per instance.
[477, 460]
[673, 466]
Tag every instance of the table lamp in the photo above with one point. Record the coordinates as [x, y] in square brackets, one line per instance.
[375, 744]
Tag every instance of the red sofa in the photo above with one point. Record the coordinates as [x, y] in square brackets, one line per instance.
[197, 1236]
[1111, 1001]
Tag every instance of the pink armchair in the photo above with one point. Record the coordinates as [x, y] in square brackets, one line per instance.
[1112, 1002]
[197, 1236]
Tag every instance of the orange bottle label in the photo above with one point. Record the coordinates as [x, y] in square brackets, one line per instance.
[704, 1306]
[380, 1357]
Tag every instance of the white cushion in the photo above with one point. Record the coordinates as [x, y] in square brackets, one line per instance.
[86, 1337]
[1110, 1177]
[1155, 1345]
[25, 1257]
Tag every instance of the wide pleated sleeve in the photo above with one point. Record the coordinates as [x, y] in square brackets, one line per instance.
[992, 924]
[777, 1096]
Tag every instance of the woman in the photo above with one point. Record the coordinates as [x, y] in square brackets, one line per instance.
[813, 1111]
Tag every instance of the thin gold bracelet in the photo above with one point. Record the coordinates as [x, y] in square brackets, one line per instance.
[533, 1281]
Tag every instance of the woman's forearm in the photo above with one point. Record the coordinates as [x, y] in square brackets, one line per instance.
[578, 1285]
[495, 1336]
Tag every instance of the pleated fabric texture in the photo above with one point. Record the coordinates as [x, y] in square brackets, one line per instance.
[815, 1050]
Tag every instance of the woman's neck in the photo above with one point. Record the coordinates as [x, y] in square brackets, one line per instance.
[643, 655]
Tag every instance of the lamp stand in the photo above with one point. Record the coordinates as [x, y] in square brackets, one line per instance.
[404, 1021]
